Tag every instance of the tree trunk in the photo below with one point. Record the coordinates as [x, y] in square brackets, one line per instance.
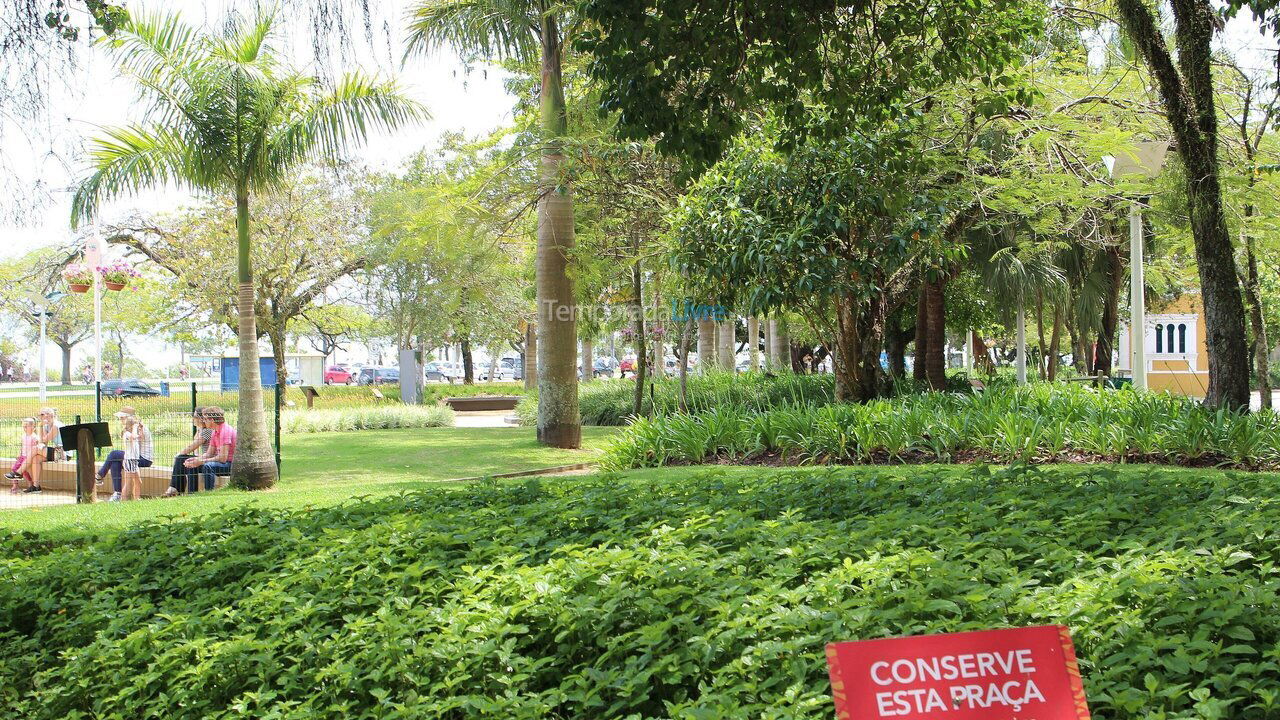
[530, 357]
[935, 354]
[1042, 368]
[919, 366]
[706, 345]
[895, 346]
[278, 342]
[1054, 341]
[726, 337]
[753, 343]
[1113, 267]
[765, 361]
[588, 361]
[254, 467]
[559, 420]
[66, 363]
[779, 345]
[642, 358]
[685, 331]
[1187, 97]
[493, 364]
[468, 363]
[859, 330]
[1262, 363]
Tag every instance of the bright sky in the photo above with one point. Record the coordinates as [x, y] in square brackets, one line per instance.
[473, 102]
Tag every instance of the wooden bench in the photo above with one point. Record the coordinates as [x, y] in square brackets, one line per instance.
[61, 477]
[483, 402]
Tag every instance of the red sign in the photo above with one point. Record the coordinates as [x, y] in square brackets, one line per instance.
[1015, 674]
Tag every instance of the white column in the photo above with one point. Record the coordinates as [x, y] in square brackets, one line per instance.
[1022, 345]
[968, 351]
[1137, 300]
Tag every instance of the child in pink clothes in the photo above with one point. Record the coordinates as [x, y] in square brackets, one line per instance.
[30, 444]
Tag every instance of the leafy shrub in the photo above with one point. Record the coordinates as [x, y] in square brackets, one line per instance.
[610, 402]
[366, 418]
[1039, 423]
[709, 595]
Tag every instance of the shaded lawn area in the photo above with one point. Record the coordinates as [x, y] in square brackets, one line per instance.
[329, 468]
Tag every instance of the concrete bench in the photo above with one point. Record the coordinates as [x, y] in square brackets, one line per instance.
[61, 477]
[483, 402]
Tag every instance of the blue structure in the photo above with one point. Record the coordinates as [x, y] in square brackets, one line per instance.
[231, 372]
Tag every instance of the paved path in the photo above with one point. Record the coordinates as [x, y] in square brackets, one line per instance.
[482, 418]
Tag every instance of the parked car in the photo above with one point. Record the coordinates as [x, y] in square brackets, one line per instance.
[628, 365]
[338, 375]
[440, 371]
[132, 387]
[501, 373]
[378, 376]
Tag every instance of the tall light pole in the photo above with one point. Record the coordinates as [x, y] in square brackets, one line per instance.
[42, 303]
[93, 258]
[1146, 162]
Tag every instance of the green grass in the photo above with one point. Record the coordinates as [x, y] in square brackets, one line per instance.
[666, 593]
[330, 468]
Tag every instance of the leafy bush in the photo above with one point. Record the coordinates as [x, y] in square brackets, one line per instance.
[1038, 423]
[703, 595]
[610, 402]
[366, 418]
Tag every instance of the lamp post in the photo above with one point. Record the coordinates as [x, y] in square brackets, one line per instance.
[93, 258]
[1145, 162]
[42, 303]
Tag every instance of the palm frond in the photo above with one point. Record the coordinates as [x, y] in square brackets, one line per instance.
[130, 159]
[331, 124]
[492, 29]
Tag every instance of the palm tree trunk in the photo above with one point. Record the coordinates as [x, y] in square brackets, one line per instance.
[254, 466]
[685, 331]
[727, 341]
[753, 343]
[588, 360]
[530, 357]
[706, 345]
[559, 420]
[779, 345]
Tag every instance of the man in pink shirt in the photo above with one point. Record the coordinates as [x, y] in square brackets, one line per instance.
[222, 450]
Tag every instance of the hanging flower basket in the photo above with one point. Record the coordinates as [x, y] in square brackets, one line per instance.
[79, 277]
[118, 275]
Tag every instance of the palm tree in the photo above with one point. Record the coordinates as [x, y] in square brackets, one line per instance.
[529, 30]
[224, 115]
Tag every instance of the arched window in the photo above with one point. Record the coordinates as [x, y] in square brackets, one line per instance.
[1169, 339]
[1182, 337]
[1159, 337]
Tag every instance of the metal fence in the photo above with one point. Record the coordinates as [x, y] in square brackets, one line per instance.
[167, 416]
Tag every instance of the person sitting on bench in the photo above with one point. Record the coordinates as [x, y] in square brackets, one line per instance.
[222, 449]
[182, 480]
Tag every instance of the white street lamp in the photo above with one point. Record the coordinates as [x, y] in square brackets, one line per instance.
[1146, 161]
[42, 303]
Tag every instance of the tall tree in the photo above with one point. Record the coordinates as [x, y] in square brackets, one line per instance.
[226, 116]
[1186, 91]
[530, 31]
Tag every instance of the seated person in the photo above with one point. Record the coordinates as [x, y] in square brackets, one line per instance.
[222, 449]
[182, 480]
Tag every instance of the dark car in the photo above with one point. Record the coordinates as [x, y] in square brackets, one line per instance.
[132, 387]
[379, 376]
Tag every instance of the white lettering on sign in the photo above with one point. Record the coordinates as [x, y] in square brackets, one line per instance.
[963, 695]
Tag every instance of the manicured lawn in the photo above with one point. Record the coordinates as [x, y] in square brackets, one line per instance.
[329, 468]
